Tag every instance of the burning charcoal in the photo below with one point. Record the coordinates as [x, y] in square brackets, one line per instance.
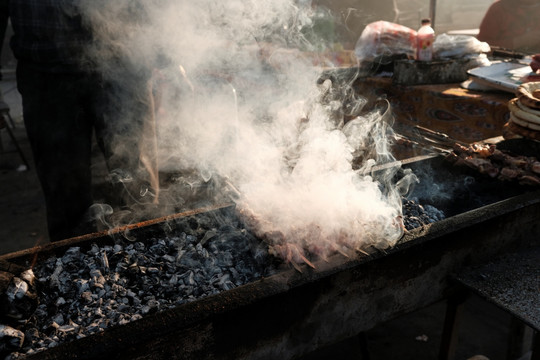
[67, 329]
[140, 278]
[87, 296]
[169, 258]
[416, 215]
[28, 276]
[159, 249]
[17, 289]
[226, 260]
[72, 253]
[225, 282]
[19, 300]
[10, 339]
[208, 235]
[434, 214]
[58, 319]
[55, 277]
[104, 260]
[5, 281]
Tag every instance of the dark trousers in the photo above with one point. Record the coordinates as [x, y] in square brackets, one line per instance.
[61, 112]
[4, 19]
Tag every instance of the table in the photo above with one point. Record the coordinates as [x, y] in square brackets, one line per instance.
[462, 114]
[512, 282]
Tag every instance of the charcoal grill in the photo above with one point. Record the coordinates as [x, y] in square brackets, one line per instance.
[290, 314]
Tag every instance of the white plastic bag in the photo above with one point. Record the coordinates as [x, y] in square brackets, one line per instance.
[458, 46]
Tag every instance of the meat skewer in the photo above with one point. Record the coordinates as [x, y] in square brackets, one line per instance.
[495, 163]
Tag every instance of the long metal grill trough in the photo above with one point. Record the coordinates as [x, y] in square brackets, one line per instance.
[280, 311]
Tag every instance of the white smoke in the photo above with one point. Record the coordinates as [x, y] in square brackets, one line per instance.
[239, 99]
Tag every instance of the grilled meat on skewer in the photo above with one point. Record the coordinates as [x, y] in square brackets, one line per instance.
[488, 160]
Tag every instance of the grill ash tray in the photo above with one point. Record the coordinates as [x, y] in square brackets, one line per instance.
[277, 312]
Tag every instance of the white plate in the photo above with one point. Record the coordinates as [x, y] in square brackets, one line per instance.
[506, 76]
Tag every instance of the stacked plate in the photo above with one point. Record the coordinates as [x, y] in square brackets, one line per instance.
[525, 111]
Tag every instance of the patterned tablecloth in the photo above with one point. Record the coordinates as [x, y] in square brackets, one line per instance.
[462, 114]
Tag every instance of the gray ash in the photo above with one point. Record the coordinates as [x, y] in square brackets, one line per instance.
[416, 215]
[87, 291]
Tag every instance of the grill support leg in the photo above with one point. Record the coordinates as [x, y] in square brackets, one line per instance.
[449, 338]
[536, 346]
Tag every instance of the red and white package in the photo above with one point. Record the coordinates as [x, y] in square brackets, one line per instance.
[385, 38]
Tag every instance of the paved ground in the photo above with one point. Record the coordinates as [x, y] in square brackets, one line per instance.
[21, 201]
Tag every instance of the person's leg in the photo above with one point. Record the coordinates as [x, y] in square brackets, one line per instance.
[59, 132]
[4, 16]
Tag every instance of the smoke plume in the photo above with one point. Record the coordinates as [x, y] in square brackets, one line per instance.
[238, 97]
